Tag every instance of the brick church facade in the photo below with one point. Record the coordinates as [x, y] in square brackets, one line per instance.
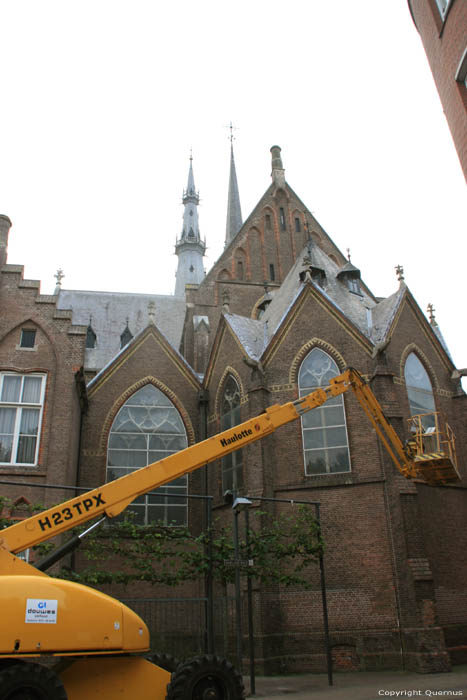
[97, 384]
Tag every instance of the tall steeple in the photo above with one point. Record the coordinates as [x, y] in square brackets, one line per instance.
[189, 247]
[234, 211]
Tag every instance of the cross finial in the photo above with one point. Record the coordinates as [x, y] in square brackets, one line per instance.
[431, 314]
[231, 127]
[348, 254]
[400, 273]
[191, 155]
[59, 275]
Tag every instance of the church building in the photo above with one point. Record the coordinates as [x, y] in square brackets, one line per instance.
[97, 384]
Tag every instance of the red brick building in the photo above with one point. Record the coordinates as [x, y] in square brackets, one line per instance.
[442, 25]
[109, 382]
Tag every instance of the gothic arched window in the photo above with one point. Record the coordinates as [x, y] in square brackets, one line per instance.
[419, 390]
[324, 430]
[232, 464]
[147, 428]
[125, 337]
[91, 337]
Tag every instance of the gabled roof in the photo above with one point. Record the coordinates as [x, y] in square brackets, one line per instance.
[353, 306]
[370, 319]
[250, 333]
[130, 349]
[109, 312]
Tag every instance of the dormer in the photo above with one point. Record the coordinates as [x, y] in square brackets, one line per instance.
[350, 276]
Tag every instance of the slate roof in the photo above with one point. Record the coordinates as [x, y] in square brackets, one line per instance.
[250, 333]
[109, 312]
[372, 318]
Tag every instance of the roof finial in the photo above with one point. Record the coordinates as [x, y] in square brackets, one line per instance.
[431, 314]
[400, 273]
[152, 312]
[231, 127]
[226, 301]
[59, 275]
[348, 254]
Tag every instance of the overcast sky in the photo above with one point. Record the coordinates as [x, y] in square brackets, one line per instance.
[102, 101]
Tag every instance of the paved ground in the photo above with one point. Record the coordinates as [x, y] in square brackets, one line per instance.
[364, 686]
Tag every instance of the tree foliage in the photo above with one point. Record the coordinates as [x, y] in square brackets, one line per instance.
[280, 550]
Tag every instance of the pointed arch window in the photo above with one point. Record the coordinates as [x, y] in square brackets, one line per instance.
[148, 427]
[419, 390]
[232, 464]
[91, 338]
[125, 337]
[324, 429]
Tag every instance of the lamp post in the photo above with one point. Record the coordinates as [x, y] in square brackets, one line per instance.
[243, 504]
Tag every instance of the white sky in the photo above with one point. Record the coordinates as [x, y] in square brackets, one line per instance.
[103, 99]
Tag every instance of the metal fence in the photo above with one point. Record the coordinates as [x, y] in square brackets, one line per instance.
[178, 626]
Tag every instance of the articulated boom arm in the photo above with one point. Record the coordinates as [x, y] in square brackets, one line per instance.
[386, 432]
[112, 498]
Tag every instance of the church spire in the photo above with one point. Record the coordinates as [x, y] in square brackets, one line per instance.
[189, 247]
[234, 211]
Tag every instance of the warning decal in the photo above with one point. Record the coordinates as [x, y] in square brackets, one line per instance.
[41, 611]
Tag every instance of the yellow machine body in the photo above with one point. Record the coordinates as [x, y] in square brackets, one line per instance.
[109, 678]
[47, 615]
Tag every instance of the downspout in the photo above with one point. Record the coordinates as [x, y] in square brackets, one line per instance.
[83, 404]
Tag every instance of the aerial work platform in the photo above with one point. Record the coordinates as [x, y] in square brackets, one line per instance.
[433, 449]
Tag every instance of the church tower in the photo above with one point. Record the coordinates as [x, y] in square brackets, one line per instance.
[189, 247]
[234, 212]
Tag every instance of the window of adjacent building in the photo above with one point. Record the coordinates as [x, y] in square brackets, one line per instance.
[232, 464]
[239, 269]
[272, 274]
[21, 403]
[268, 220]
[461, 73]
[419, 390]
[147, 428]
[28, 338]
[324, 430]
[282, 218]
[297, 225]
[443, 6]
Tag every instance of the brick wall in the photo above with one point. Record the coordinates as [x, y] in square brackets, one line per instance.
[444, 43]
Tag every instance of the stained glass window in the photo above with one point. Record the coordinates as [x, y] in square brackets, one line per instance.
[147, 428]
[232, 464]
[419, 390]
[324, 430]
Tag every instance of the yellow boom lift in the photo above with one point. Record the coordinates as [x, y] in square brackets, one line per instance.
[98, 643]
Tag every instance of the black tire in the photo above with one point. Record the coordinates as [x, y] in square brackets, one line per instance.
[165, 661]
[25, 681]
[206, 678]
